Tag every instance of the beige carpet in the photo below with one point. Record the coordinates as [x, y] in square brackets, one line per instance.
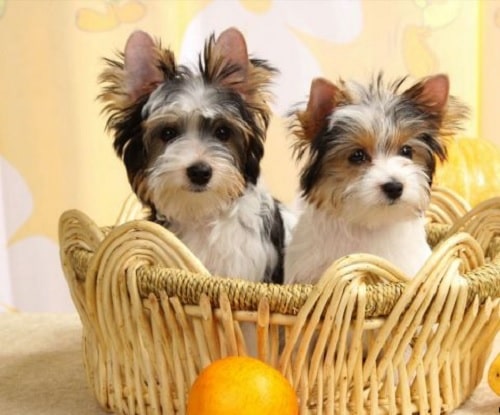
[41, 370]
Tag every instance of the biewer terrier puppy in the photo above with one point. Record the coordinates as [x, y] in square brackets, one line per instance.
[369, 157]
[192, 140]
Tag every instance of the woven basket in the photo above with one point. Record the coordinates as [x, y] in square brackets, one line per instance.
[365, 339]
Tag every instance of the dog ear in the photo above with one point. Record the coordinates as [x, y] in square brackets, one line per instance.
[322, 102]
[430, 93]
[231, 48]
[142, 74]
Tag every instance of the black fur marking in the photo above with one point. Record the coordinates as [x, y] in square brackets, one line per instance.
[255, 148]
[159, 219]
[434, 145]
[262, 63]
[320, 146]
[128, 142]
[274, 230]
[435, 149]
[253, 151]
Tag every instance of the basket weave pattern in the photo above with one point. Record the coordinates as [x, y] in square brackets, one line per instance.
[365, 339]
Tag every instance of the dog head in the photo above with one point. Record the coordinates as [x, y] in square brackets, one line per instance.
[370, 152]
[191, 138]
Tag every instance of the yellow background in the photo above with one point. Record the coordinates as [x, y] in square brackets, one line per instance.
[52, 132]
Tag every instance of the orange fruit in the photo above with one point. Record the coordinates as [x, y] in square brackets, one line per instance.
[239, 385]
[494, 375]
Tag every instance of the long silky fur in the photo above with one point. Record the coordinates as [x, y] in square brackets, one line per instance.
[236, 229]
[124, 113]
[347, 201]
[448, 123]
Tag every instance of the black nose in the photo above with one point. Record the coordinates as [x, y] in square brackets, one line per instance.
[199, 173]
[393, 189]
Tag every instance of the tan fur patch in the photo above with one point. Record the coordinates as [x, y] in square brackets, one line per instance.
[113, 79]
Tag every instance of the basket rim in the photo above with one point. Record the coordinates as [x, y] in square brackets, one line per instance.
[133, 285]
[154, 278]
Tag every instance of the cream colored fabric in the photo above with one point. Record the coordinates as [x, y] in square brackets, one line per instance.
[41, 369]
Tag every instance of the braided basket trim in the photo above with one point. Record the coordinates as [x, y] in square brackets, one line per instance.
[153, 317]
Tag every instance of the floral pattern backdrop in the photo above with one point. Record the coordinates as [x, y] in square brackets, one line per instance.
[55, 154]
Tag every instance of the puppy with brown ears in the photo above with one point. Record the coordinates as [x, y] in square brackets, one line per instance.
[369, 157]
[192, 140]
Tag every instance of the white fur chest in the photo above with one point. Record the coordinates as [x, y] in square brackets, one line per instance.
[232, 244]
[319, 240]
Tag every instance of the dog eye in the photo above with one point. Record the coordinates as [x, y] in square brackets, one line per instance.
[406, 151]
[223, 132]
[358, 157]
[169, 133]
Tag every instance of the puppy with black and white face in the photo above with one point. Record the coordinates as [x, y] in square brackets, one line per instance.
[192, 140]
[369, 157]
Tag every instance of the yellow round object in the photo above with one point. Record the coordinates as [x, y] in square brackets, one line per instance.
[494, 375]
[240, 385]
[472, 169]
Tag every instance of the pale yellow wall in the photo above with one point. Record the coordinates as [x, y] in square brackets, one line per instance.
[52, 132]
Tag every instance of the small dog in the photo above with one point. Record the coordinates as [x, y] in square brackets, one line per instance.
[192, 140]
[366, 179]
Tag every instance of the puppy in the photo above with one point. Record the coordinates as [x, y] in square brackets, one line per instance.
[192, 140]
[369, 156]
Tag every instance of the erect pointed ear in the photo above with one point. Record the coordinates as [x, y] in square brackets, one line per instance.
[322, 102]
[231, 47]
[431, 93]
[142, 74]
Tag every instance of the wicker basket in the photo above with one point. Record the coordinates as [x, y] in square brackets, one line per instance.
[363, 340]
